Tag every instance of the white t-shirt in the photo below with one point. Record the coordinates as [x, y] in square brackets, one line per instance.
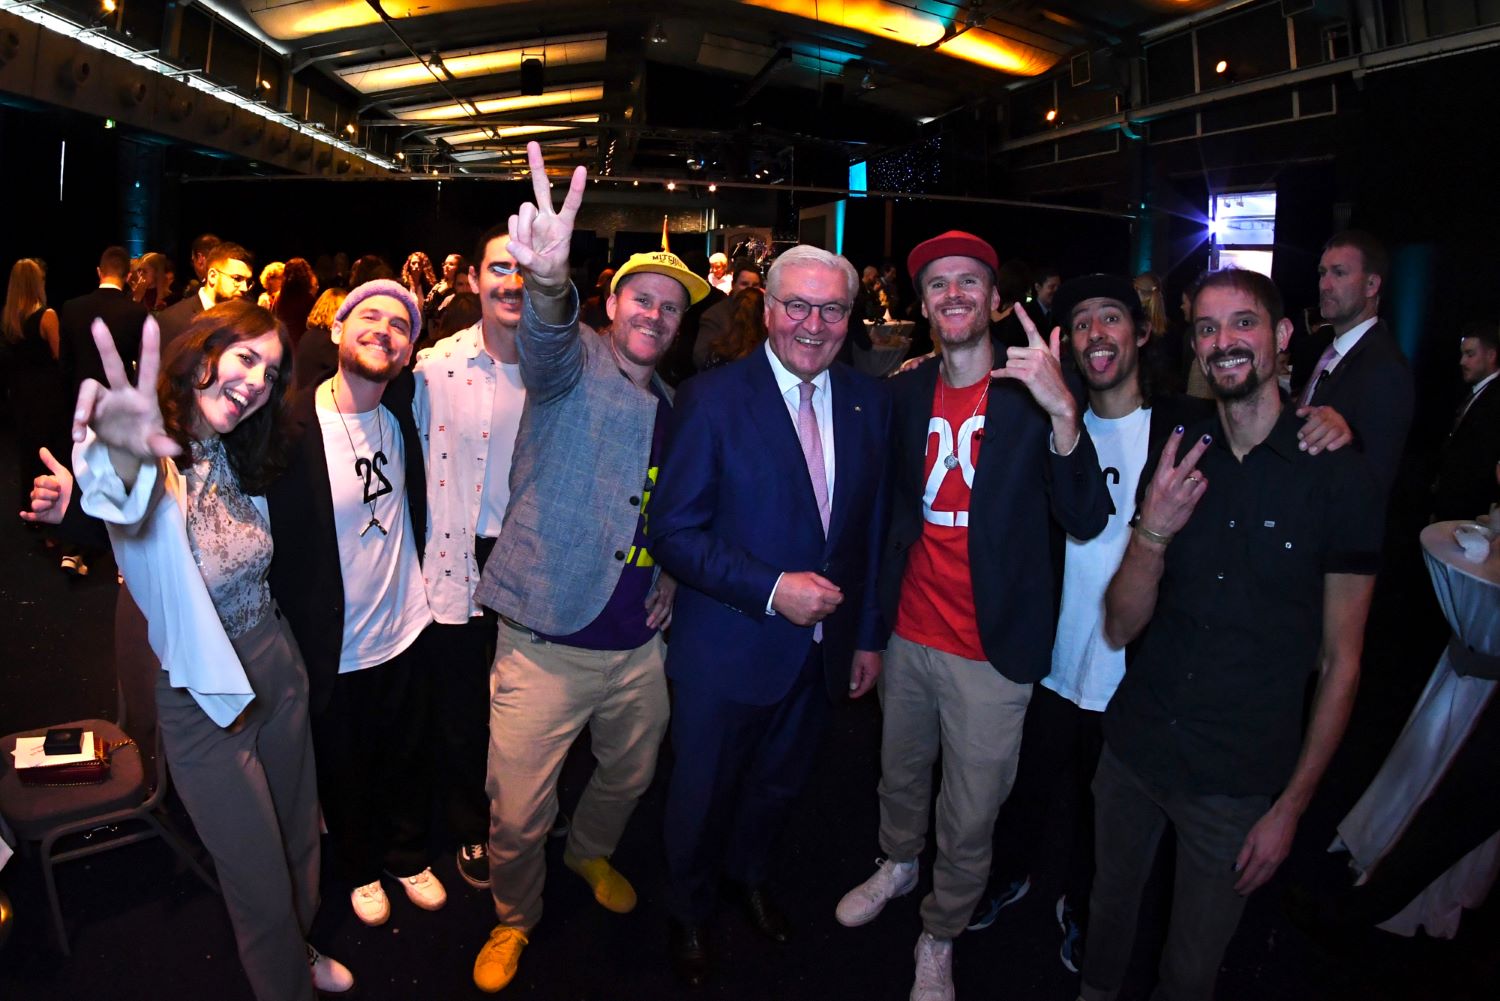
[1085, 670]
[385, 601]
[505, 421]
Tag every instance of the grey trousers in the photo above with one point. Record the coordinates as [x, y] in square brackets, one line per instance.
[971, 712]
[251, 790]
[542, 695]
[1130, 816]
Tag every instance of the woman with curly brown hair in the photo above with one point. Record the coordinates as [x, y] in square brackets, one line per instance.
[417, 275]
[178, 472]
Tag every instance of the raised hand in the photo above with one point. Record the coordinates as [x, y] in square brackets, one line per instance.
[125, 417]
[1038, 366]
[50, 492]
[539, 236]
[1175, 488]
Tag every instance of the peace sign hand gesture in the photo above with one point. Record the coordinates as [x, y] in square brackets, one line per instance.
[1175, 489]
[1038, 367]
[539, 236]
[125, 417]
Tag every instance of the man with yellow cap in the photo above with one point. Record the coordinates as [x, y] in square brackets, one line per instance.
[580, 599]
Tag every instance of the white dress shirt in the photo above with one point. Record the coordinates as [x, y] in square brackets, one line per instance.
[1344, 343]
[468, 408]
[822, 401]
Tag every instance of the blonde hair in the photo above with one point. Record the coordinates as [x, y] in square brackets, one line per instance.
[272, 270]
[326, 308]
[1153, 303]
[26, 294]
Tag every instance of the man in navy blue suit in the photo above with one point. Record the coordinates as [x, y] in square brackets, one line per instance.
[769, 514]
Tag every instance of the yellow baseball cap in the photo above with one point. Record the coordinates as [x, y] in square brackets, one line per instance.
[663, 263]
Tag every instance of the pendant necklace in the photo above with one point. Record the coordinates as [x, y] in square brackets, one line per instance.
[334, 392]
[950, 461]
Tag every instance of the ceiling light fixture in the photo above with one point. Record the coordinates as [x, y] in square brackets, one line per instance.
[658, 36]
[1221, 67]
[1051, 114]
[671, 185]
[712, 188]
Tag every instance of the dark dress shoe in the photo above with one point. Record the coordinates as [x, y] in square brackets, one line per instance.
[688, 947]
[764, 914]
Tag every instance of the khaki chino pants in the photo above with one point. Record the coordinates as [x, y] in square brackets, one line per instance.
[935, 701]
[542, 695]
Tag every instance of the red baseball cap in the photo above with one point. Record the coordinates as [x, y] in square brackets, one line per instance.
[954, 243]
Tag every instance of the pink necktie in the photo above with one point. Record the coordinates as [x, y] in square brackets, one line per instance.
[812, 451]
[1324, 360]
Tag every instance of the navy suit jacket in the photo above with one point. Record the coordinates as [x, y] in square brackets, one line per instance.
[735, 508]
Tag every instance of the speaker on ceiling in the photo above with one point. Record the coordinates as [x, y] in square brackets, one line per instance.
[533, 73]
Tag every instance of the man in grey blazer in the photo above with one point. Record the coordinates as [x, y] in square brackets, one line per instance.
[580, 599]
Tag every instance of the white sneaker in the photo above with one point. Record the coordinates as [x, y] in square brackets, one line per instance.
[934, 980]
[329, 975]
[423, 889]
[861, 904]
[371, 904]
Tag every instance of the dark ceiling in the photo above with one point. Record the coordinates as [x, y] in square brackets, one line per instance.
[710, 88]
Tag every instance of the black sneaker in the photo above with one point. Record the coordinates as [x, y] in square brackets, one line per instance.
[474, 865]
[989, 908]
[1071, 952]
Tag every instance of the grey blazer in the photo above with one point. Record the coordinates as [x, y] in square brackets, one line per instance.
[577, 480]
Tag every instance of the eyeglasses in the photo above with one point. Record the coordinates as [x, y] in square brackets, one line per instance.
[797, 309]
[504, 270]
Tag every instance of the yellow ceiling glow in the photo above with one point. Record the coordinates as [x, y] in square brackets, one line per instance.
[998, 53]
[883, 18]
[374, 78]
[500, 103]
[508, 131]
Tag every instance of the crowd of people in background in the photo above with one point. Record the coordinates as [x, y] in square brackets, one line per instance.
[320, 479]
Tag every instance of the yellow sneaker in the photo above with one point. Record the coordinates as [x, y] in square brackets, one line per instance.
[612, 890]
[497, 961]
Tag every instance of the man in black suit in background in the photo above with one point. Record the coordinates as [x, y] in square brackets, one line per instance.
[229, 275]
[1361, 382]
[1466, 485]
[84, 538]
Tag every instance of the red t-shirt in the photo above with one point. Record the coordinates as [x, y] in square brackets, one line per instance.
[937, 594]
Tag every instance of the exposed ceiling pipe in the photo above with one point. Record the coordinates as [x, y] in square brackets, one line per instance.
[763, 75]
[438, 74]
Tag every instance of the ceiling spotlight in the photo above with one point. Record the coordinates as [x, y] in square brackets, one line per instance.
[671, 185]
[349, 128]
[975, 16]
[712, 188]
[1051, 114]
[400, 155]
[635, 184]
[658, 36]
[108, 6]
[867, 82]
[1221, 67]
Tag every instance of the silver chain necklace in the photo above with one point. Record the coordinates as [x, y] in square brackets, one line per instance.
[334, 392]
[950, 461]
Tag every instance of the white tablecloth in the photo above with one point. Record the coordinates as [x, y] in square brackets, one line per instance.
[1469, 594]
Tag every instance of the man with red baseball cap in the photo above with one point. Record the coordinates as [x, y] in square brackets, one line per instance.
[966, 582]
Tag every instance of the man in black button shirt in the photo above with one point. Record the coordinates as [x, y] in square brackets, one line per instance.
[1251, 565]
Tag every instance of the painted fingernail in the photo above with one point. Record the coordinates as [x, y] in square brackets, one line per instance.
[1207, 438]
[1177, 429]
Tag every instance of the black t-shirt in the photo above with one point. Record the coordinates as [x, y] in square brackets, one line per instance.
[1212, 703]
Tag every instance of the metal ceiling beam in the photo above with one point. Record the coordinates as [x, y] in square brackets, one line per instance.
[1355, 66]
